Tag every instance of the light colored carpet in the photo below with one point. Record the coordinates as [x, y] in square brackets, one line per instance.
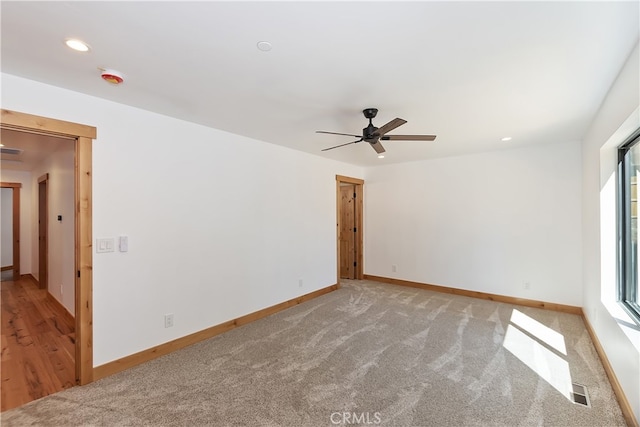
[367, 354]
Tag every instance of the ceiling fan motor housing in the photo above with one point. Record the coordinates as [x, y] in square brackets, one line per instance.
[369, 132]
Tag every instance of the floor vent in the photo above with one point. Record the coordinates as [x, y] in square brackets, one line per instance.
[580, 395]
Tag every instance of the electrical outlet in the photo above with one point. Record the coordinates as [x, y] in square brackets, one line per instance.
[168, 320]
[527, 285]
[61, 290]
[394, 268]
[300, 283]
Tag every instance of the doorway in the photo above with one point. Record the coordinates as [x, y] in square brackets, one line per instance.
[349, 193]
[43, 232]
[83, 136]
[11, 235]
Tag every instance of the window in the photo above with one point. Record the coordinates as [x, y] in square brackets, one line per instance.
[628, 179]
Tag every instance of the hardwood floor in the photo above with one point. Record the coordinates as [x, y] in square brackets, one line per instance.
[38, 344]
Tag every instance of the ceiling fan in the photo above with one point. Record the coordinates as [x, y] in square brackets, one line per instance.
[374, 135]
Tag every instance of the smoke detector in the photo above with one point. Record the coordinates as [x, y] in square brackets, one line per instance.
[111, 76]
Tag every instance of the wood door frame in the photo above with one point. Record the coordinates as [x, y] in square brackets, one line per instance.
[15, 186]
[359, 188]
[43, 276]
[83, 136]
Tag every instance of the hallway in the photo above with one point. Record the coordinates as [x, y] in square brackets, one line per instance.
[38, 344]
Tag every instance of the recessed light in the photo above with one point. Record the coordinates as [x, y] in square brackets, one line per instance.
[264, 46]
[381, 156]
[506, 139]
[78, 45]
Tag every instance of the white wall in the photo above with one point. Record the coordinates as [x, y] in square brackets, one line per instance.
[219, 225]
[487, 222]
[617, 118]
[6, 228]
[23, 178]
[61, 235]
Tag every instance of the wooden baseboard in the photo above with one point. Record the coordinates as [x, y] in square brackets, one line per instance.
[627, 411]
[58, 304]
[130, 361]
[6, 268]
[482, 295]
[31, 277]
[50, 297]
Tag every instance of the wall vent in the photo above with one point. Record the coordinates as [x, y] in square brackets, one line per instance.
[580, 395]
[10, 151]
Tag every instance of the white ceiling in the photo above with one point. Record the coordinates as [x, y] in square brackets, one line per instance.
[470, 72]
[35, 149]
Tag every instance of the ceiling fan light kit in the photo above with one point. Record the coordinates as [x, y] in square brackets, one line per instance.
[373, 135]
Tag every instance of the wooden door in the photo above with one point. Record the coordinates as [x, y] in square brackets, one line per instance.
[42, 233]
[347, 231]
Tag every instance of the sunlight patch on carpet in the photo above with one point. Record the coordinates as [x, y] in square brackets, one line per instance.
[541, 349]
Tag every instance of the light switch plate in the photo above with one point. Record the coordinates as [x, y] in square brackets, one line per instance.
[123, 243]
[105, 245]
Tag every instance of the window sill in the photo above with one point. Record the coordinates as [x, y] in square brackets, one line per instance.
[625, 321]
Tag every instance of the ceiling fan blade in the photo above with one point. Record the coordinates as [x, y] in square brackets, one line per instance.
[342, 145]
[378, 147]
[408, 137]
[336, 133]
[390, 126]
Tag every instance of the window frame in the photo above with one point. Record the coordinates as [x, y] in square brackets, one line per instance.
[628, 289]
